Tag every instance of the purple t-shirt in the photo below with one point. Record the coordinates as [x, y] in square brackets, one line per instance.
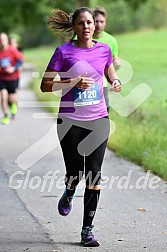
[71, 62]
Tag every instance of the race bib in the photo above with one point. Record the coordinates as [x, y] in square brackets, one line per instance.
[5, 62]
[88, 96]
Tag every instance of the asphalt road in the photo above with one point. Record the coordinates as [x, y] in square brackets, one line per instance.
[132, 212]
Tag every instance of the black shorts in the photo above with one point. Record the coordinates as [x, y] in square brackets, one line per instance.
[10, 86]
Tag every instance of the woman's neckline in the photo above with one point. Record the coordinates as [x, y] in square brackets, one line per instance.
[74, 43]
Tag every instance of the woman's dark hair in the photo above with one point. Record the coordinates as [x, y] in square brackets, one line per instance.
[77, 12]
[60, 21]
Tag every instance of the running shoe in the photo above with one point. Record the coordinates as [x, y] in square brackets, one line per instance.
[64, 205]
[5, 120]
[87, 237]
[13, 109]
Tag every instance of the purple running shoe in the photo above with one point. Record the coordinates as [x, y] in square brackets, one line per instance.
[64, 205]
[87, 237]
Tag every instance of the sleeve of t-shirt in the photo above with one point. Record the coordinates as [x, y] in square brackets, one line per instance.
[110, 58]
[114, 47]
[56, 61]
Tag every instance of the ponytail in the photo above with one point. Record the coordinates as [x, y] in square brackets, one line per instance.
[60, 21]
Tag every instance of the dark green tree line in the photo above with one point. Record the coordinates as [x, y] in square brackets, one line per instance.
[28, 18]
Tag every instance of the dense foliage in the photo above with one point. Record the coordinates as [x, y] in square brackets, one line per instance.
[28, 18]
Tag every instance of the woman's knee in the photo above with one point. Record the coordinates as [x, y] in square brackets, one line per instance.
[4, 95]
[93, 179]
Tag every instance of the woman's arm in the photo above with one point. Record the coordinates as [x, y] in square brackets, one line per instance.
[48, 84]
[112, 78]
[116, 62]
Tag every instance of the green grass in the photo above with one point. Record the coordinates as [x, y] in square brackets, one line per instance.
[141, 137]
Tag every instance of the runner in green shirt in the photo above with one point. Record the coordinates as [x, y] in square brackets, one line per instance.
[104, 37]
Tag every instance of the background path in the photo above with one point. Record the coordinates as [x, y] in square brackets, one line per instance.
[129, 218]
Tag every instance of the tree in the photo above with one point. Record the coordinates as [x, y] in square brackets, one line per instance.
[134, 3]
[28, 18]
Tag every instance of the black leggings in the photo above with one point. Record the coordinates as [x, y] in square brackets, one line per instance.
[83, 145]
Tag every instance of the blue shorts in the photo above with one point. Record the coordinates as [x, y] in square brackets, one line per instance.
[10, 86]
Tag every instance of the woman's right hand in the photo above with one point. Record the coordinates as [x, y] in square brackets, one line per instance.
[84, 82]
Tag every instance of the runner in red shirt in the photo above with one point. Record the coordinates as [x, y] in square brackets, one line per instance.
[10, 61]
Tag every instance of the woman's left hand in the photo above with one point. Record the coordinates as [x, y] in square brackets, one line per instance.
[116, 86]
